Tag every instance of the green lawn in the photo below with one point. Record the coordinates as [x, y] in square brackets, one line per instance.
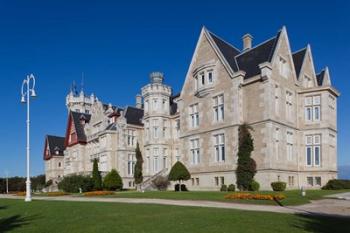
[293, 196]
[85, 217]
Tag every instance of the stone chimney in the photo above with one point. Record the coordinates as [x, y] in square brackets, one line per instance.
[247, 41]
[138, 101]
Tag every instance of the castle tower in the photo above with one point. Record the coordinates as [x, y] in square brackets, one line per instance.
[79, 102]
[156, 96]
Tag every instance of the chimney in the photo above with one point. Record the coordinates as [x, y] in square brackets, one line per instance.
[138, 101]
[247, 41]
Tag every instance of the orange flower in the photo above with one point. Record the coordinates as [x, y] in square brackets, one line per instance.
[250, 196]
[98, 193]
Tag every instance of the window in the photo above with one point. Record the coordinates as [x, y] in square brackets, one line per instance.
[308, 81]
[277, 142]
[283, 68]
[277, 100]
[289, 106]
[155, 104]
[131, 137]
[155, 128]
[197, 181]
[195, 151]
[313, 150]
[222, 179]
[177, 155]
[289, 145]
[192, 179]
[219, 147]
[313, 108]
[291, 181]
[318, 180]
[165, 159]
[155, 160]
[59, 164]
[310, 180]
[164, 104]
[216, 180]
[218, 108]
[131, 164]
[210, 77]
[87, 111]
[177, 128]
[202, 80]
[194, 115]
[146, 106]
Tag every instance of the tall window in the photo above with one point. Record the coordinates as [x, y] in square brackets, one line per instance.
[155, 104]
[277, 100]
[289, 106]
[146, 106]
[290, 145]
[313, 150]
[219, 147]
[131, 137]
[313, 108]
[195, 151]
[194, 115]
[131, 164]
[165, 158]
[155, 128]
[219, 108]
[155, 160]
[210, 77]
[177, 155]
[277, 142]
[283, 67]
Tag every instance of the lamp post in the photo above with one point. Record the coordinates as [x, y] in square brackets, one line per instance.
[27, 91]
[7, 181]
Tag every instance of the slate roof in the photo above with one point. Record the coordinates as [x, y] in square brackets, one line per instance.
[76, 116]
[248, 60]
[320, 77]
[55, 143]
[298, 58]
[133, 115]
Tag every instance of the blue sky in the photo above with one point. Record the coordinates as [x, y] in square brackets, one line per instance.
[117, 45]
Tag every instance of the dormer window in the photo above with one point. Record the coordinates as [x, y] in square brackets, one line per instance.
[308, 82]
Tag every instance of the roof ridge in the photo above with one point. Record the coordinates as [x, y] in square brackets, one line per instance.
[299, 50]
[224, 40]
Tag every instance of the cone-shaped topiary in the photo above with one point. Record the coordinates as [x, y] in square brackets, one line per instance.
[113, 181]
[246, 167]
[138, 176]
[96, 176]
[179, 172]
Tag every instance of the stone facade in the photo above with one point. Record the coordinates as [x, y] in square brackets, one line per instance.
[291, 109]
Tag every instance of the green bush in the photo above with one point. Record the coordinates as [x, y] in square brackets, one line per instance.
[223, 188]
[71, 184]
[231, 188]
[113, 181]
[161, 183]
[183, 188]
[278, 186]
[254, 186]
[337, 184]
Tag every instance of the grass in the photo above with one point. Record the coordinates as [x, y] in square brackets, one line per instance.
[293, 196]
[89, 217]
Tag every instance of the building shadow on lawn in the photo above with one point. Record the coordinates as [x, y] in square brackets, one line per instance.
[323, 223]
[9, 223]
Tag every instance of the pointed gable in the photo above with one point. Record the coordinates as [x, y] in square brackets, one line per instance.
[54, 146]
[75, 128]
[323, 78]
[298, 59]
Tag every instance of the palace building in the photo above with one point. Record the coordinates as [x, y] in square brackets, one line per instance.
[291, 107]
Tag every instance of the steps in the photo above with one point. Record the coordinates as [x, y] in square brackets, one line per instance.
[147, 185]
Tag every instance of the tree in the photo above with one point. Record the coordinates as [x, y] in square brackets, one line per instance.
[96, 176]
[113, 181]
[73, 183]
[178, 173]
[246, 167]
[138, 166]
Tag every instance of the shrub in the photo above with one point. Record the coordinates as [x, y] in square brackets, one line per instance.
[183, 188]
[278, 186]
[337, 184]
[113, 181]
[138, 166]
[96, 176]
[98, 193]
[246, 166]
[231, 188]
[223, 188]
[71, 184]
[254, 186]
[179, 172]
[250, 196]
[21, 194]
[161, 183]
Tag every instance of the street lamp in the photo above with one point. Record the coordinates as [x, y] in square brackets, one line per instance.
[27, 91]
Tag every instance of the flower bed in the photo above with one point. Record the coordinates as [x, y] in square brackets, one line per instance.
[54, 194]
[21, 194]
[98, 193]
[250, 196]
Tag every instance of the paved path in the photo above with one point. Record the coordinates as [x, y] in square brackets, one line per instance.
[324, 207]
[342, 196]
